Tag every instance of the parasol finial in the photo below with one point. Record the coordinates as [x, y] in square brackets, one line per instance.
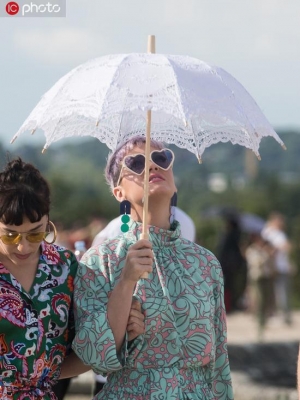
[151, 44]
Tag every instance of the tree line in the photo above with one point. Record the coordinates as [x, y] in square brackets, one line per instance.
[75, 171]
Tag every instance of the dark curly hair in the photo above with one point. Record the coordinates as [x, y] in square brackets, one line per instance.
[23, 193]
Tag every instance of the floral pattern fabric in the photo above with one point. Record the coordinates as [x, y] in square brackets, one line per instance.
[183, 352]
[36, 327]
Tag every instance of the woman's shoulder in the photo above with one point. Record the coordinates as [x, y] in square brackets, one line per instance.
[56, 254]
[197, 248]
[205, 256]
[109, 246]
[102, 254]
[46, 247]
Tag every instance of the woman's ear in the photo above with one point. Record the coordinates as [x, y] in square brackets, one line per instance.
[119, 193]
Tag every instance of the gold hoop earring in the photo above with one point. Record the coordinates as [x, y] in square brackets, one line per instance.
[50, 223]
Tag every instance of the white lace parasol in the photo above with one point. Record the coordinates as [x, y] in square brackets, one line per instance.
[193, 104]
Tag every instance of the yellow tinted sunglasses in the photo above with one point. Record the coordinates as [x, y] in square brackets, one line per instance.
[15, 237]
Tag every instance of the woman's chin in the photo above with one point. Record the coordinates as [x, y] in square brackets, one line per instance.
[160, 193]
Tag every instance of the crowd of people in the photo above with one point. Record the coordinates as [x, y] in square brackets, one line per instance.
[257, 269]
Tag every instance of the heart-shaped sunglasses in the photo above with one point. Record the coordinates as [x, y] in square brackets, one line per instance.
[136, 163]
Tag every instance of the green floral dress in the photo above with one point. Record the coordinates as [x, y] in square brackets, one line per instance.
[183, 353]
[36, 328]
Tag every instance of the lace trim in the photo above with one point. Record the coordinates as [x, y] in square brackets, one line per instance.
[194, 105]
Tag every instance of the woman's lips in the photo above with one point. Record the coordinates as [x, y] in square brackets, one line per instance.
[155, 178]
[22, 256]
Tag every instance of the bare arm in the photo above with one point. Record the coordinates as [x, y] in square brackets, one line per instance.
[139, 259]
[73, 366]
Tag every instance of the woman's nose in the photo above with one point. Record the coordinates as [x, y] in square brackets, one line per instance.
[23, 245]
[153, 166]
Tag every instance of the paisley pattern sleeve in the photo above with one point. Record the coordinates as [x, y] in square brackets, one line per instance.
[94, 341]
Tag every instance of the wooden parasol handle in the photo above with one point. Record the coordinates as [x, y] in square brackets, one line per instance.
[145, 231]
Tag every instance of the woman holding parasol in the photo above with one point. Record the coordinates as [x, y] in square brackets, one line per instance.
[182, 353]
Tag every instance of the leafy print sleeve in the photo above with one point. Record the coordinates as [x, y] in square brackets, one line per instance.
[221, 379]
[94, 341]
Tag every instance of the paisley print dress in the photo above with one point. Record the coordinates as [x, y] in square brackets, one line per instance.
[36, 327]
[183, 353]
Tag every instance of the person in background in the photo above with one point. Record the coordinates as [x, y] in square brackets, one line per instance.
[233, 264]
[183, 352]
[274, 232]
[113, 229]
[260, 260]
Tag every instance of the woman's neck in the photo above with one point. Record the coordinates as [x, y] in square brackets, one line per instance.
[24, 273]
[157, 215]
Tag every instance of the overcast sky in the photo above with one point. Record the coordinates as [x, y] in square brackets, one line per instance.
[257, 41]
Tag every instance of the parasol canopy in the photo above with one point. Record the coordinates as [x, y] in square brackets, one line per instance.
[193, 104]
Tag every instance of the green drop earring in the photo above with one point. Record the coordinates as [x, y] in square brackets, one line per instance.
[125, 208]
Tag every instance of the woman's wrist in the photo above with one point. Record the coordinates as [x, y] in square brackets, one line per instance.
[126, 285]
